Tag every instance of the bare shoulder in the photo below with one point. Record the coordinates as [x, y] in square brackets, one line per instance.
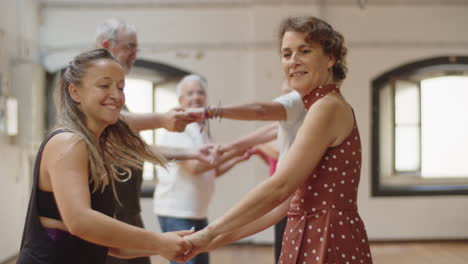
[332, 106]
[65, 144]
[333, 115]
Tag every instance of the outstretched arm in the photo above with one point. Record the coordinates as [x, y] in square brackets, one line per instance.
[260, 111]
[229, 164]
[173, 120]
[323, 124]
[203, 154]
[197, 167]
[261, 135]
[269, 219]
[126, 253]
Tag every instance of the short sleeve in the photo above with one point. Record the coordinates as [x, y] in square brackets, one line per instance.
[292, 102]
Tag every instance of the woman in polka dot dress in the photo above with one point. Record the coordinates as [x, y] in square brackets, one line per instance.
[316, 183]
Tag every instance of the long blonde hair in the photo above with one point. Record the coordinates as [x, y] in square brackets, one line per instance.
[118, 148]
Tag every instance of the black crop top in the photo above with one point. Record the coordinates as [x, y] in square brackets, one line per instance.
[46, 205]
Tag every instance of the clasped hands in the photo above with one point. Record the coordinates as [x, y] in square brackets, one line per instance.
[182, 246]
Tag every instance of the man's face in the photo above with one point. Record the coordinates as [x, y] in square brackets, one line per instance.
[125, 49]
[192, 94]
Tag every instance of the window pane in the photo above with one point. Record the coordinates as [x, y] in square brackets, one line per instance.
[138, 95]
[407, 148]
[406, 102]
[445, 127]
[165, 98]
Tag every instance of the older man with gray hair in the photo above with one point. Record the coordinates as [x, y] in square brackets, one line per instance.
[185, 189]
[120, 38]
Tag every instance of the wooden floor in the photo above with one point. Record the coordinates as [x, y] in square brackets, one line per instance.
[383, 253]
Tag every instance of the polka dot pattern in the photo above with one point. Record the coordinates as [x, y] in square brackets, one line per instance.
[325, 208]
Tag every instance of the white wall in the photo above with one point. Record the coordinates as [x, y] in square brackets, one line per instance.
[22, 78]
[381, 38]
[235, 48]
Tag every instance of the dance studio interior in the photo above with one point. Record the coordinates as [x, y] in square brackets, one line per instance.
[406, 58]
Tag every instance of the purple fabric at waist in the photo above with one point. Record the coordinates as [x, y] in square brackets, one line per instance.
[55, 234]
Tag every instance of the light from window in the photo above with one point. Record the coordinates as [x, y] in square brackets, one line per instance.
[139, 99]
[407, 126]
[165, 99]
[444, 141]
[143, 97]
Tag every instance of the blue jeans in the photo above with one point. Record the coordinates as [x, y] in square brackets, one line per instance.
[169, 224]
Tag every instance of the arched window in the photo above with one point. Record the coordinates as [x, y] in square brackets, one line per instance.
[420, 129]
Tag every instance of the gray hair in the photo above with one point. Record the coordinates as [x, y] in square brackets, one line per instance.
[191, 77]
[110, 28]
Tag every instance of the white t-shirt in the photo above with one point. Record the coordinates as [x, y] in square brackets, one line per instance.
[178, 192]
[295, 115]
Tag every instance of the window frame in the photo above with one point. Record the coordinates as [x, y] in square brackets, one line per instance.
[409, 186]
[170, 73]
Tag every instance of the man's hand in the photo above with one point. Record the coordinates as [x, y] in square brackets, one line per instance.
[177, 119]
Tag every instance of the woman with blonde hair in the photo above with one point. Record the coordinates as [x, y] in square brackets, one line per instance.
[70, 214]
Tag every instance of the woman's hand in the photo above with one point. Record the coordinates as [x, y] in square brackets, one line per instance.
[201, 241]
[173, 244]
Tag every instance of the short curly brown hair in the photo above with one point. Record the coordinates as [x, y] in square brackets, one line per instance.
[323, 33]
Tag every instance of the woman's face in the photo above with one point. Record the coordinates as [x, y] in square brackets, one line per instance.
[305, 65]
[100, 95]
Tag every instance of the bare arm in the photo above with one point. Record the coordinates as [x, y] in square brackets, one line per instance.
[197, 167]
[128, 253]
[125, 253]
[226, 166]
[269, 219]
[326, 123]
[260, 111]
[201, 154]
[174, 120]
[262, 223]
[66, 164]
[270, 149]
[261, 135]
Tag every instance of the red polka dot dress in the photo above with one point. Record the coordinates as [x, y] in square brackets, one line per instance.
[323, 223]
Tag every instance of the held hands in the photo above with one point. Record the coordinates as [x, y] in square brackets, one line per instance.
[208, 154]
[211, 153]
[177, 119]
[174, 245]
[200, 241]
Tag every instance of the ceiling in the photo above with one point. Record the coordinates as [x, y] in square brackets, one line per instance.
[247, 2]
